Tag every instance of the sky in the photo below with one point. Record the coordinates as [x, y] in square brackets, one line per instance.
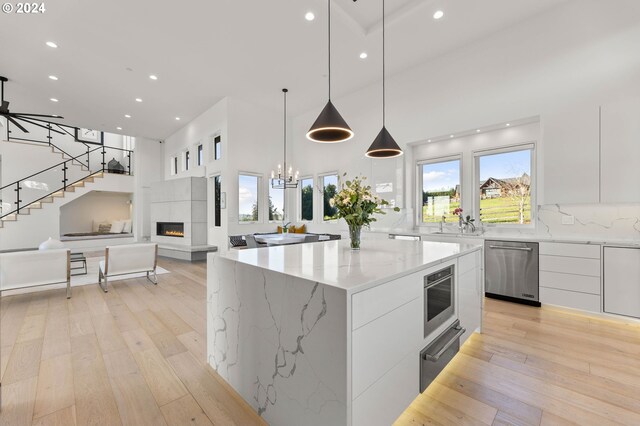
[505, 165]
[247, 193]
[445, 176]
[440, 176]
[277, 198]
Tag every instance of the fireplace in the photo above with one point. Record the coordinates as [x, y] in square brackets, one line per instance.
[170, 229]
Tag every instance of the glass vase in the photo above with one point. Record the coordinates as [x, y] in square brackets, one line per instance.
[354, 235]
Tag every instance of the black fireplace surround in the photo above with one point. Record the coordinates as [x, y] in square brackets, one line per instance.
[170, 229]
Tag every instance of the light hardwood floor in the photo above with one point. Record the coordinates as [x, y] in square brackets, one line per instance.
[136, 356]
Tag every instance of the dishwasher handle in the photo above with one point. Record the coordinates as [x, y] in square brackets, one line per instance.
[511, 248]
[434, 357]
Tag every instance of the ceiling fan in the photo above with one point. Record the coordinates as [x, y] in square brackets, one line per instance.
[16, 117]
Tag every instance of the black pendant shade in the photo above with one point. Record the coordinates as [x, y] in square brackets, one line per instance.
[330, 127]
[384, 146]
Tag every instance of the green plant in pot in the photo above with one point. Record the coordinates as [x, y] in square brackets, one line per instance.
[356, 205]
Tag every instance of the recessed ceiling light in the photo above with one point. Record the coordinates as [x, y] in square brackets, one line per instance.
[127, 116]
[508, 124]
[53, 100]
[429, 140]
[138, 100]
[52, 44]
[309, 16]
[450, 136]
[478, 131]
[153, 77]
[438, 15]
[178, 118]
[119, 128]
[363, 55]
[53, 77]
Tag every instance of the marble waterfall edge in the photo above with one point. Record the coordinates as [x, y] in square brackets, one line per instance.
[280, 341]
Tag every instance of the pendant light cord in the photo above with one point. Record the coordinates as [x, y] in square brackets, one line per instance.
[329, 37]
[285, 134]
[384, 105]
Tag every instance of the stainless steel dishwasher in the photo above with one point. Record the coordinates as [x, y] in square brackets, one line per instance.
[511, 271]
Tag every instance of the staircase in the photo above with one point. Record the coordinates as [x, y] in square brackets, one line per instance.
[59, 179]
[37, 205]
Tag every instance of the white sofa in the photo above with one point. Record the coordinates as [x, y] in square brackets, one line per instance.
[35, 268]
[128, 259]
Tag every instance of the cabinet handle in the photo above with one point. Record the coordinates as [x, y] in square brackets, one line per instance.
[511, 248]
[437, 355]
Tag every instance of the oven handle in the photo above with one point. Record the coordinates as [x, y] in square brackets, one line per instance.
[512, 248]
[437, 355]
[440, 281]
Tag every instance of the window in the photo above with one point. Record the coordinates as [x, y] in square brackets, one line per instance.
[276, 204]
[217, 208]
[248, 206]
[200, 155]
[186, 160]
[505, 185]
[306, 199]
[217, 148]
[329, 190]
[441, 190]
[174, 165]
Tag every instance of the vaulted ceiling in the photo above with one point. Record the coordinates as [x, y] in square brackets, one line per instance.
[204, 50]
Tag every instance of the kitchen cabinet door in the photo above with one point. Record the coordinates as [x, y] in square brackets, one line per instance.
[469, 302]
[570, 155]
[622, 281]
[620, 151]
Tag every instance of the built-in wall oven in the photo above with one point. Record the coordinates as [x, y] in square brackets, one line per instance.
[439, 299]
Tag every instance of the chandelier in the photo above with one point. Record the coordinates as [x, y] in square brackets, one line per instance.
[284, 178]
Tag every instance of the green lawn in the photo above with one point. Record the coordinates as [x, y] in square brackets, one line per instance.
[494, 210]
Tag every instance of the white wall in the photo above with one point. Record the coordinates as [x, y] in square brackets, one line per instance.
[80, 214]
[559, 66]
[148, 162]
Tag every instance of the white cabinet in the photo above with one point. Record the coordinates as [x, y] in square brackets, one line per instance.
[622, 281]
[469, 294]
[570, 275]
[620, 151]
[570, 155]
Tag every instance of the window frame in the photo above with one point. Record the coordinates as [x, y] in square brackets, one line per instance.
[269, 189]
[321, 177]
[216, 140]
[199, 154]
[313, 202]
[434, 160]
[533, 190]
[174, 165]
[259, 196]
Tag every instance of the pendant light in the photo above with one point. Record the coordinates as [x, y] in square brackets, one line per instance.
[329, 127]
[383, 146]
[285, 178]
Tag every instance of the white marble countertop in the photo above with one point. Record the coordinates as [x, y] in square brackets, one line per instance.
[503, 236]
[334, 263]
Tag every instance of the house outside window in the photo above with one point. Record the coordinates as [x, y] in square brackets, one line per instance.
[440, 190]
[505, 186]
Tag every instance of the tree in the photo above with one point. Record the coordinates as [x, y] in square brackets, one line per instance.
[519, 191]
[307, 203]
[274, 214]
[328, 211]
[254, 212]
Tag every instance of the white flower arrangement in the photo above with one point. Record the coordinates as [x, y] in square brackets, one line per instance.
[356, 204]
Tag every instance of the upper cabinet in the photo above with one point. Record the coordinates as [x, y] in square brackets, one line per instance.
[571, 155]
[620, 151]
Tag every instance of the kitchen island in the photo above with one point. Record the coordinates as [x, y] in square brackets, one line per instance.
[318, 334]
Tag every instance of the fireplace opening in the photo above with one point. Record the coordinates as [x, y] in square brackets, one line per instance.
[170, 229]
